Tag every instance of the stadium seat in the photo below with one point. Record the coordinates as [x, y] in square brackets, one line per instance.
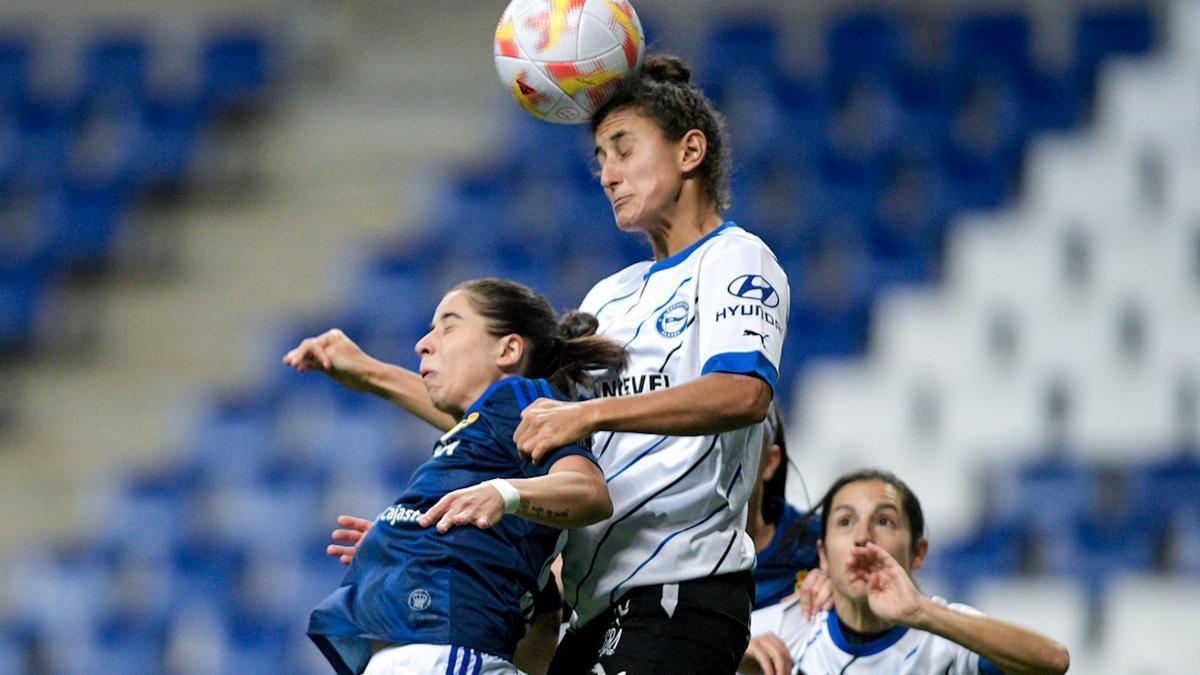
[1054, 606]
[1149, 626]
[116, 65]
[867, 43]
[236, 67]
[1047, 495]
[1103, 32]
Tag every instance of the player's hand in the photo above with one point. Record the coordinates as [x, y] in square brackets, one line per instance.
[891, 593]
[479, 505]
[770, 656]
[352, 532]
[547, 425]
[815, 593]
[335, 355]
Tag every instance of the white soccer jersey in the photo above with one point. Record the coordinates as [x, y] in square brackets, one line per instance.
[679, 502]
[818, 647]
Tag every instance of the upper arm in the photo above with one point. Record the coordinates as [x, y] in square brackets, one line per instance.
[578, 464]
[743, 311]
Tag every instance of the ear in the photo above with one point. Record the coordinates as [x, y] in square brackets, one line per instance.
[821, 556]
[510, 351]
[692, 149]
[771, 459]
[919, 555]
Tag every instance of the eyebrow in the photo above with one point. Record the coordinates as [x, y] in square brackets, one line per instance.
[611, 139]
[445, 316]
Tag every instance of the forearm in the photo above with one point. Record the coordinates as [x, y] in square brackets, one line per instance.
[564, 499]
[1013, 649]
[711, 404]
[404, 388]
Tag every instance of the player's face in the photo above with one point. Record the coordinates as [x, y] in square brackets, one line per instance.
[458, 355]
[639, 169]
[861, 512]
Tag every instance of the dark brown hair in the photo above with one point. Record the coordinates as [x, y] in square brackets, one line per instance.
[559, 350]
[662, 91]
[908, 501]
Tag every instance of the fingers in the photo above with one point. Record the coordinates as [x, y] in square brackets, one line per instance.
[347, 536]
[344, 554]
[354, 523]
[435, 513]
[771, 654]
[315, 351]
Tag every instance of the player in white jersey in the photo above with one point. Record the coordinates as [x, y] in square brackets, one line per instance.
[665, 586]
[872, 540]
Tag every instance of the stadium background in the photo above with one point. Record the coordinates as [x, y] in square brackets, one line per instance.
[987, 210]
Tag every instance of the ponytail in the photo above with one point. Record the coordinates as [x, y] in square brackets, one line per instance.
[577, 351]
[563, 352]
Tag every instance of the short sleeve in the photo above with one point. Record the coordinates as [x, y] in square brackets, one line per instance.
[743, 299]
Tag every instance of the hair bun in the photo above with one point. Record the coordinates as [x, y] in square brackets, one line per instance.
[576, 324]
[666, 68]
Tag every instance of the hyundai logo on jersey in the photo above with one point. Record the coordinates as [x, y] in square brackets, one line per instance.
[673, 319]
[754, 287]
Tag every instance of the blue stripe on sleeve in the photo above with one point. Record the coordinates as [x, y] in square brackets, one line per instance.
[450, 661]
[986, 668]
[522, 401]
[478, 662]
[747, 363]
[545, 387]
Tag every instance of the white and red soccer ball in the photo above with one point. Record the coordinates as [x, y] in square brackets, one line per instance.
[562, 59]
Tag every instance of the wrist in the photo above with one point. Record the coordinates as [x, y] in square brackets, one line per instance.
[920, 618]
[595, 415]
[509, 493]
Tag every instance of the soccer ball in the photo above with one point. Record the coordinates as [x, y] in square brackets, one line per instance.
[562, 59]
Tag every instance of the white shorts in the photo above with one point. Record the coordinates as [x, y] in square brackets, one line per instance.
[436, 660]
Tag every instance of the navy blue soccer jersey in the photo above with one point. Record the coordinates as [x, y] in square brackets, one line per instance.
[790, 551]
[412, 585]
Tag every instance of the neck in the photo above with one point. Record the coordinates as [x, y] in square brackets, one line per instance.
[682, 228]
[858, 616]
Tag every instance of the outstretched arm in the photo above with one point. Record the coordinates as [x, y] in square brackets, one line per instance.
[893, 597]
[710, 404]
[340, 358]
[572, 494]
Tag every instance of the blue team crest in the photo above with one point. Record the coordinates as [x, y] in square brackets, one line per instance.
[673, 319]
[754, 287]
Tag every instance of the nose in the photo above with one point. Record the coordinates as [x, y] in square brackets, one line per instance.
[424, 345]
[610, 174]
[862, 532]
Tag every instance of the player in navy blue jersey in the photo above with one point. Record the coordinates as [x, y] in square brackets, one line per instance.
[438, 582]
[785, 538]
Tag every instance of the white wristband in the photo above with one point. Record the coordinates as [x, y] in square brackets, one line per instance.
[512, 498]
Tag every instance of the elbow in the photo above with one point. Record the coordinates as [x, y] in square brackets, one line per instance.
[1060, 659]
[750, 403]
[598, 507]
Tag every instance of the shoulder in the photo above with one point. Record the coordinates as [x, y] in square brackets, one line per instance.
[512, 395]
[735, 239]
[957, 606]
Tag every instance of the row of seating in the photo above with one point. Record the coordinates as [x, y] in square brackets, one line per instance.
[75, 162]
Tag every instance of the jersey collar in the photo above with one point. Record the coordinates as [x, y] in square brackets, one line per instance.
[488, 392]
[866, 649]
[668, 263]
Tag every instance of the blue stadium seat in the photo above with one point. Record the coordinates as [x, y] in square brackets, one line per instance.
[1094, 550]
[1048, 495]
[116, 65]
[236, 69]
[1155, 492]
[15, 65]
[231, 443]
[737, 45]
[997, 549]
[874, 43]
[990, 41]
[169, 130]
[1104, 32]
